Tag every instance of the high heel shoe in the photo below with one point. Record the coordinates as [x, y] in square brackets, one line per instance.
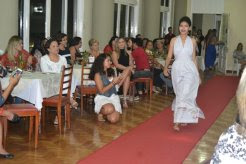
[125, 104]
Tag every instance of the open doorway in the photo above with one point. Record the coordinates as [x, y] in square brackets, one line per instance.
[206, 22]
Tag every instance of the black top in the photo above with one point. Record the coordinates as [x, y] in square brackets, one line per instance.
[123, 59]
[66, 54]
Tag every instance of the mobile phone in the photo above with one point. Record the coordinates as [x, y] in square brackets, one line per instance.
[18, 71]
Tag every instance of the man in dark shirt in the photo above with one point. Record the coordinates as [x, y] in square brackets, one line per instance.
[141, 62]
[169, 36]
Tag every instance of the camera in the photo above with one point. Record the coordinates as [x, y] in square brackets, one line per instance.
[18, 71]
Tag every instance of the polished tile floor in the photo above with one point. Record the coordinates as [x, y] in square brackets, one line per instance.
[87, 134]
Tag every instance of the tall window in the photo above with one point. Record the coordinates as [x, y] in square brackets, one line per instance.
[56, 15]
[37, 19]
[124, 18]
[46, 18]
[165, 16]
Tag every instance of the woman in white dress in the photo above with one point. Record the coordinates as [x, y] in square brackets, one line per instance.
[185, 76]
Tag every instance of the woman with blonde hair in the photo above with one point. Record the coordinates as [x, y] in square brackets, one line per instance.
[122, 60]
[15, 55]
[94, 47]
[232, 143]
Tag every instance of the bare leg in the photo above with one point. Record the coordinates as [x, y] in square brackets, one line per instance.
[9, 115]
[2, 150]
[107, 109]
[114, 117]
[126, 86]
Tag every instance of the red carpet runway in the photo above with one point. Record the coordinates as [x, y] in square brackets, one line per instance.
[155, 142]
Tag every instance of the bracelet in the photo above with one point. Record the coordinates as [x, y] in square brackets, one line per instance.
[113, 82]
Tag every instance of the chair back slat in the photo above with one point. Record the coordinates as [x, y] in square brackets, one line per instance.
[65, 83]
[85, 72]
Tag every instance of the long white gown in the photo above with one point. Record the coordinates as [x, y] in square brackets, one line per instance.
[185, 79]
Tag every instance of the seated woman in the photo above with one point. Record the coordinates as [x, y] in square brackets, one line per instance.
[38, 51]
[16, 56]
[107, 102]
[159, 54]
[110, 47]
[9, 115]
[94, 48]
[240, 55]
[231, 147]
[123, 61]
[53, 62]
[75, 45]
[63, 49]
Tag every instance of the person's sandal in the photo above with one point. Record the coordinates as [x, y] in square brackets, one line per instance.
[15, 119]
[125, 105]
[74, 105]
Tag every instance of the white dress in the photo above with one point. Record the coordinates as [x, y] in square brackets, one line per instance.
[185, 79]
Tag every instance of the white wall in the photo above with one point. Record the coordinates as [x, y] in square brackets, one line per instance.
[102, 21]
[207, 6]
[9, 21]
[180, 9]
[151, 21]
[87, 24]
[236, 29]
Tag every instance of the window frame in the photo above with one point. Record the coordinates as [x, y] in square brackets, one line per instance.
[168, 10]
[78, 18]
[129, 3]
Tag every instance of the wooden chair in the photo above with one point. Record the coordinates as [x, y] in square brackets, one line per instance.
[87, 87]
[24, 110]
[147, 80]
[61, 100]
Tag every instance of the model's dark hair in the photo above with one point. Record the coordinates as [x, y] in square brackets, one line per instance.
[138, 42]
[185, 19]
[97, 66]
[75, 41]
[47, 45]
[59, 37]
